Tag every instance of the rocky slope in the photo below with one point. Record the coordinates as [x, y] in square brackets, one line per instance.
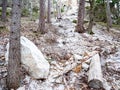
[62, 46]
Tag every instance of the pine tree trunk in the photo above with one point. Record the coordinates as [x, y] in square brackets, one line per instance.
[108, 13]
[13, 78]
[49, 11]
[31, 10]
[81, 12]
[91, 16]
[118, 9]
[4, 10]
[59, 9]
[41, 28]
[54, 8]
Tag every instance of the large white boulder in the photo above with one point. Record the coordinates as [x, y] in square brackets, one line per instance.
[32, 59]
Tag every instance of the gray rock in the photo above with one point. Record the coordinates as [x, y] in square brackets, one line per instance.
[32, 59]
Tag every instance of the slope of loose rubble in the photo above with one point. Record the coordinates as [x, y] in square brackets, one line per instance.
[63, 47]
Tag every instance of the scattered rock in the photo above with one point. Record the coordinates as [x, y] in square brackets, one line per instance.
[21, 88]
[59, 80]
[97, 48]
[60, 26]
[85, 66]
[113, 66]
[77, 57]
[2, 63]
[111, 49]
[3, 84]
[59, 87]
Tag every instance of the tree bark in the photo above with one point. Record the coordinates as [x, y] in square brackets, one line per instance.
[118, 9]
[31, 10]
[91, 16]
[81, 11]
[95, 73]
[59, 10]
[13, 78]
[4, 10]
[108, 15]
[41, 28]
[49, 11]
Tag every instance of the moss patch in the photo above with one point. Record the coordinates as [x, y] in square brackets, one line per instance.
[3, 29]
[113, 25]
[74, 21]
[8, 13]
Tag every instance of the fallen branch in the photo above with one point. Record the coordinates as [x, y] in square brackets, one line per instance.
[95, 74]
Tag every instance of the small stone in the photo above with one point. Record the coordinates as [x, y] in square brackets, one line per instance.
[77, 57]
[1, 63]
[97, 48]
[85, 66]
[59, 80]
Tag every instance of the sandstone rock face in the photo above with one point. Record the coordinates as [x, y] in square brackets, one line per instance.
[32, 59]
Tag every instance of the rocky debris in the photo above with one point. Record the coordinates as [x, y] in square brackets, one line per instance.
[2, 60]
[71, 74]
[3, 84]
[112, 74]
[63, 76]
[109, 50]
[32, 59]
[3, 74]
[2, 57]
[113, 66]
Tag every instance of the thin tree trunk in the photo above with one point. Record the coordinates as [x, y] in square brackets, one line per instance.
[91, 16]
[118, 9]
[4, 10]
[69, 4]
[49, 12]
[81, 12]
[13, 78]
[108, 14]
[54, 8]
[59, 9]
[41, 28]
[31, 10]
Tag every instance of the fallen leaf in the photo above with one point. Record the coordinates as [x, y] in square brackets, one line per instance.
[78, 68]
[86, 54]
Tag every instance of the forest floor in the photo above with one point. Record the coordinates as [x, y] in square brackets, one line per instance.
[59, 44]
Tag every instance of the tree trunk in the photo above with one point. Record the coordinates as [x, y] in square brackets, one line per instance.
[80, 22]
[31, 10]
[91, 16]
[41, 28]
[49, 11]
[108, 14]
[13, 78]
[118, 9]
[59, 10]
[4, 10]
